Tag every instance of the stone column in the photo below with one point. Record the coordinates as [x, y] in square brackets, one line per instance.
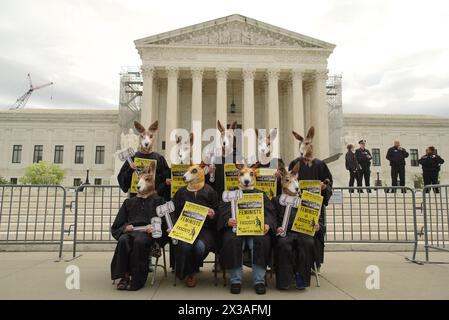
[273, 98]
[222, 108]
[197, 111]
[320, 115]
[171, 121]
[147, 113]
[307, 107]
[248, 110]
[298, 116]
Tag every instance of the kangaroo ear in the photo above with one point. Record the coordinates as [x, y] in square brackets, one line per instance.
[203, 164]
[239, 166]
[178, 139]
[257, 134]
[191, 138]
[152, 167]
[273, 134]
[154, 126]
[295, 169]
[139, 127]
[311, 133]
[255, 165]
[297, 136]
[220, 126]
[234, 125]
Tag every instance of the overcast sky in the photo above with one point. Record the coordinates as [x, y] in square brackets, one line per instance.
[393, 54]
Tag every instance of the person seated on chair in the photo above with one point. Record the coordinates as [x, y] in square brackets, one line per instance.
[233, 246]
[133, 230]
[189, 257]
[293, 251]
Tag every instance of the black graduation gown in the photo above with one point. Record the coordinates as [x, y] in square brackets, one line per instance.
[219, 182]
[186, 263]
[317, 171]
[133, 249]
[162, 172]
[231, 251]
[292, 253]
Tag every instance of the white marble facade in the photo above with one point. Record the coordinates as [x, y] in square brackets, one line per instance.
[277, 79]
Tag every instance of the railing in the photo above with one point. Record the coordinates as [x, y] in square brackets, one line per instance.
[32, 214]
[436, 218]
[95, 210]
[372, 215]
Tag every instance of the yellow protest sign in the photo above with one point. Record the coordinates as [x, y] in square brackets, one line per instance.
[189, 223]
[266, 181]
[140, 162]
[250, 215]
[313, 186]
[177, 173]
[231, 176]
[308, 213]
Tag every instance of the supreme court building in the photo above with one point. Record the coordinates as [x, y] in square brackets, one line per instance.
[236, 69]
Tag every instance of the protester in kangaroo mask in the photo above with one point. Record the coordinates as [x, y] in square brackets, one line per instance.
[133, 229]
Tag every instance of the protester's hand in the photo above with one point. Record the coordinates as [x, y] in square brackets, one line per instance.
[168, 182]
[278, 174]
[323, 185]
[317, 227]
[168, 231]
[279, 230]
[129, 228]
[133, 165]
[266, 229]
[211, 213]
[232, 222]
[149, 228]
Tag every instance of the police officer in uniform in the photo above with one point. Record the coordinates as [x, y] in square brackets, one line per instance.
[396, 155]
[364, 159]
[431, 163]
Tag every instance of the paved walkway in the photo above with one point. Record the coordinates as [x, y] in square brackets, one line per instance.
[35, 275]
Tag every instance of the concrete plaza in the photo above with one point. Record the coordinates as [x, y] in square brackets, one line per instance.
[36, 275]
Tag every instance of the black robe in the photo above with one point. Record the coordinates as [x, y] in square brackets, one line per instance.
[231, 251]
[133, 249]
[317, 171]
[185, 262]
[292, 253]
[162, 172]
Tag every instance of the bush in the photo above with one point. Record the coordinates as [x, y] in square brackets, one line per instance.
[43, 173]
[3, 180]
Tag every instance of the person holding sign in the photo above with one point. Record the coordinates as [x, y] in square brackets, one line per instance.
[312, 168]
[254, 225]
[137, 228]
[196, 206]
[294, 251]
[127, 178]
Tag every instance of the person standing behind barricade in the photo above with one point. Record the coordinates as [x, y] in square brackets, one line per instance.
[396, 155]
[364, 159]
[125, 176]
[352, 165]
[431, 164]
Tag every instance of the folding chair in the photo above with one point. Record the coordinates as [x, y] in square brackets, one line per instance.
[157, 252]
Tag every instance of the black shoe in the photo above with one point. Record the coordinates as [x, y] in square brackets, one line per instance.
[260, 288]
[236, 288]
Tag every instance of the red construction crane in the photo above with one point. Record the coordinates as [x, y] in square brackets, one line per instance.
[21, 102]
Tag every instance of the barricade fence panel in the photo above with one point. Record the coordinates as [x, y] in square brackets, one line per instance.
[436, 218]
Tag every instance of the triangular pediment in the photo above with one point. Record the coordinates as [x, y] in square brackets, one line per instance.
[234, 31]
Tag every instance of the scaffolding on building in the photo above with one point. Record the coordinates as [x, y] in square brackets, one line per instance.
[335, 107]
[130, 100]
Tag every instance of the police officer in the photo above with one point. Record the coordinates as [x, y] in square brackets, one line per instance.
[396, 155]
[353, 167]
[431, 163]
[364, 159]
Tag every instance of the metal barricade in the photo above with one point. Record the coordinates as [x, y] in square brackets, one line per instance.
[383, 215]
[436, 218]
[32, 215]
[95, 210]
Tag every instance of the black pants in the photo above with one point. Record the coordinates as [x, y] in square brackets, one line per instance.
[395, 172]
[355, 176]
[293, 253]
[365, 175]
[430, 177]
[132, 257]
